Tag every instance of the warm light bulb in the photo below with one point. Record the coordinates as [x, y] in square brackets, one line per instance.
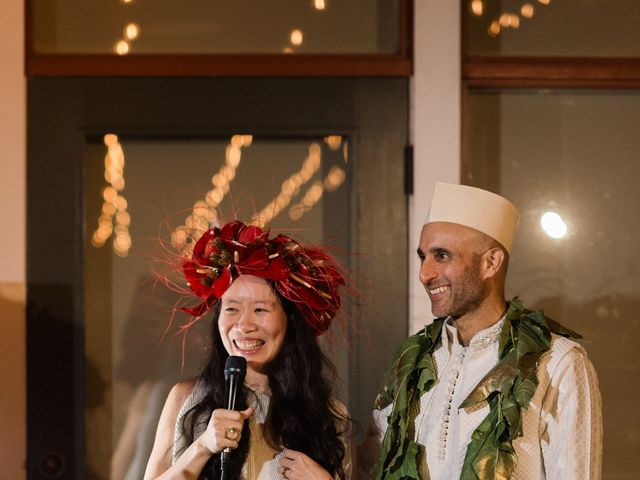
[233, 155]
[296, 212]
[505, 20]
[296, 37]
[131, 31]
[319, 4]
[333, 141]
[118, 183]
[121, 203]
[122, 47]
[477, 8]
[214, 197]
[553, 225]
[236, 141]
[527, 10]
[494, 29]
[334, 178]
[109, 194]
[110, 139]
[545, 2]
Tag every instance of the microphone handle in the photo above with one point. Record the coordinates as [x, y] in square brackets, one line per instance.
[231, 405]
[223, 474]
[232, 391]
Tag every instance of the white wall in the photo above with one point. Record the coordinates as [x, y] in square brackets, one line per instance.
[435, 125]
[12, 142]
[12, 240]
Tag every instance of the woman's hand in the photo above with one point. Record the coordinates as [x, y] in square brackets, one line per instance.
[298, 466]
[224, 429]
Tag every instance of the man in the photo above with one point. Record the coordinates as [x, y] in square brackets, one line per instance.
[489, 390]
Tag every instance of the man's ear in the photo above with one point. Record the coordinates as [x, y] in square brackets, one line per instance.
[492, 261]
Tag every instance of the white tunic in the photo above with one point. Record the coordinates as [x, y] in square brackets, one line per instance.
[562, 428]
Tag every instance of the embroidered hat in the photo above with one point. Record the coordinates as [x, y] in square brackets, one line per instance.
[307, 276]
[473, 207]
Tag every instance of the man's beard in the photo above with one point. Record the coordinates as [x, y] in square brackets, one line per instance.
[470, 293]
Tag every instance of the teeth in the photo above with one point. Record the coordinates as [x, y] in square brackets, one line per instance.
[248, 345]
[435, 291]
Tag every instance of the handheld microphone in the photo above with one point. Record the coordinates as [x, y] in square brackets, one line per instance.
[235, 369]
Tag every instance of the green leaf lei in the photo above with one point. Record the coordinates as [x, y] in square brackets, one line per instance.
[507, 388]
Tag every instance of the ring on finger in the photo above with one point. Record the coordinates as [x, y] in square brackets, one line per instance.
[231, 433]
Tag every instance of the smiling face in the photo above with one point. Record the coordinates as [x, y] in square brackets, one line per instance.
[451, 258]
[252, 322]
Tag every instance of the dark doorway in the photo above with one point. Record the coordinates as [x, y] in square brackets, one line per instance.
[71, 293]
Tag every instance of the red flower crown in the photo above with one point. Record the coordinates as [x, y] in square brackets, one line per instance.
[309, 277]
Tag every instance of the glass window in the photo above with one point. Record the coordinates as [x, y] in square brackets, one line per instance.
[220, 27]
[141, 191]
[569, 161]
[597, 28]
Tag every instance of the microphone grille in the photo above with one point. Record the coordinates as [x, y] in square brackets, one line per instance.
[235, 365]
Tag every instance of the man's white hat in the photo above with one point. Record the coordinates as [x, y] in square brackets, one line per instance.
[473, 207]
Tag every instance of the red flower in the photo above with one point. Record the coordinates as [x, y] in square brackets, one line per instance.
[307, 277]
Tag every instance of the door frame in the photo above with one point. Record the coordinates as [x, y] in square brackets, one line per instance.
[64, 112]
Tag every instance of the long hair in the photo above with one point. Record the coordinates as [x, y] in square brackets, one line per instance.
[302, 414]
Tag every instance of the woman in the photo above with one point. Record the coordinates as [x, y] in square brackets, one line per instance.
[271, 298]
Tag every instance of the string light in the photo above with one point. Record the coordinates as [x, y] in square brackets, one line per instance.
[527, 10]
[296, 37]
[477, 7]
[319, 4]
[494, 29]
[114, 218]
[290, 187]
[333, 141]
[204, 212]
[131, 31]
[122, 47]
[334, 178]
[507, 20]
[331, 182]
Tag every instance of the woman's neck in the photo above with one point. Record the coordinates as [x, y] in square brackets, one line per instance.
[257, 381]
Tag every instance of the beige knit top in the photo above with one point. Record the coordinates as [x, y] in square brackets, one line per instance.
[262, 459]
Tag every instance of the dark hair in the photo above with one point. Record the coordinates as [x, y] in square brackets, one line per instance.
[302, 414]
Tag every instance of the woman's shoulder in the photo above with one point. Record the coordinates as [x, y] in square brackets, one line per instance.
[179, 395]
[161, 455]
[181, 391]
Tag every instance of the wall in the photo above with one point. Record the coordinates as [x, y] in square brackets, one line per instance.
[12, 240]
[435, 126]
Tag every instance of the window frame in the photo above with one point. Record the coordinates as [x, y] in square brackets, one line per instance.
[485, 71]
[399, 64]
